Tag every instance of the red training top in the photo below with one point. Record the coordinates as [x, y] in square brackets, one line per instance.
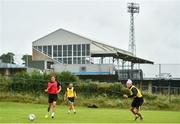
[53, 87]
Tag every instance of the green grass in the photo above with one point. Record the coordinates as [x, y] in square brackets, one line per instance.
[11, 112]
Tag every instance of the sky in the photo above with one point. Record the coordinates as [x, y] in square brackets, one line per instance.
[157, 26]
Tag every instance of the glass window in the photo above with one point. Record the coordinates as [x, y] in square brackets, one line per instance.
[35, 47]
[69, 50]
[74, 60]
[49, 65]
[69, 60]
[55, 51]
[64, 50]
[74, 50]
[87, 60]
[79, 60]
[64, 60]
[56, 59]
[79, 49]
[45, 49]
[83, 49]
[40, 48]
[50, 51]
[59, 50]
[60, 60]
[87, 49]
[83, 60]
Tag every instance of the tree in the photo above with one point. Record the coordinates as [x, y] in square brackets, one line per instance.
[8, 58]
[27, 59]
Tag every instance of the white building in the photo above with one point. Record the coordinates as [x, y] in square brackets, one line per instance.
[63, 50]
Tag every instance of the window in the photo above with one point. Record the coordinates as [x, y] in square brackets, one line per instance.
[45, 49]
[64, 60]
[87, 49]
[83, 60]
[60, 60]
[55, 51]
[83, 49]
[64, 50]
[56, 59]
[79, 60]
[50, 51]
[87, 60]
[79, 49]
[59, 50]
[69, 50]
[69, 60]
[35, 47]
[49, 65]
[74, 50]
[40, 48]
[68, 54]
[74, 60]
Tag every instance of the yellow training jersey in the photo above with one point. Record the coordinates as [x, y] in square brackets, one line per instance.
[138, 92]
[70, 92]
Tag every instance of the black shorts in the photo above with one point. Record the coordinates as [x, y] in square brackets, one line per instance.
[71, 99]
[52, 98]
[137, 102]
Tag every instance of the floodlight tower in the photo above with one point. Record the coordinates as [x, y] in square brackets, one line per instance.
[132, 9]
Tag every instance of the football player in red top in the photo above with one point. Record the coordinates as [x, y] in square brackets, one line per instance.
[53, 89]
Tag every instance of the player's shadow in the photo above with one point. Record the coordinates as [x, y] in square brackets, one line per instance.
[92, 106]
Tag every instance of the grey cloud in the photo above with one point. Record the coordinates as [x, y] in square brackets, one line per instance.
[156, 26]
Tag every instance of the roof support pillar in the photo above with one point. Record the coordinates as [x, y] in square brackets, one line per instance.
[123, 64]
[102, 60]
[132, 65]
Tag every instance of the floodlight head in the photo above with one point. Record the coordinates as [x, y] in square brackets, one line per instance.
[133, 7]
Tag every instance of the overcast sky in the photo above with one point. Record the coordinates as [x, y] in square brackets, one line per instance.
[157, 26]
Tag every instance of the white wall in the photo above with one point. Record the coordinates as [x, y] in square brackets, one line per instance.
[60, 37]
[89, 68]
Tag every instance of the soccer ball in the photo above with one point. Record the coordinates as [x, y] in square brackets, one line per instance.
[31, 117]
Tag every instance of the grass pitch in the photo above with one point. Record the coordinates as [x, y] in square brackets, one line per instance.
[18, 113]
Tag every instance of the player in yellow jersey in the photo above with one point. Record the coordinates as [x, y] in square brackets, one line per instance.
[137, 101]
[70, 96]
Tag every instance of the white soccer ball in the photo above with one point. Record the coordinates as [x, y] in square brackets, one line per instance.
[31, 117]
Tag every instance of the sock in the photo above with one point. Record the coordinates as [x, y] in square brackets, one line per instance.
[48, 109]
[52, 114]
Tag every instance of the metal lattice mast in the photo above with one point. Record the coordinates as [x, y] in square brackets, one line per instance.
[132, 8]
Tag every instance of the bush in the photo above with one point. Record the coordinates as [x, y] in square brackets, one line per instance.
[175, 100]
[65, 77]
[24, 87]
[4, 83]
[112, 90]
[34, 82]
[149, 96]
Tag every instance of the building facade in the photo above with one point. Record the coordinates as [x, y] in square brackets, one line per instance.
[63, 50]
